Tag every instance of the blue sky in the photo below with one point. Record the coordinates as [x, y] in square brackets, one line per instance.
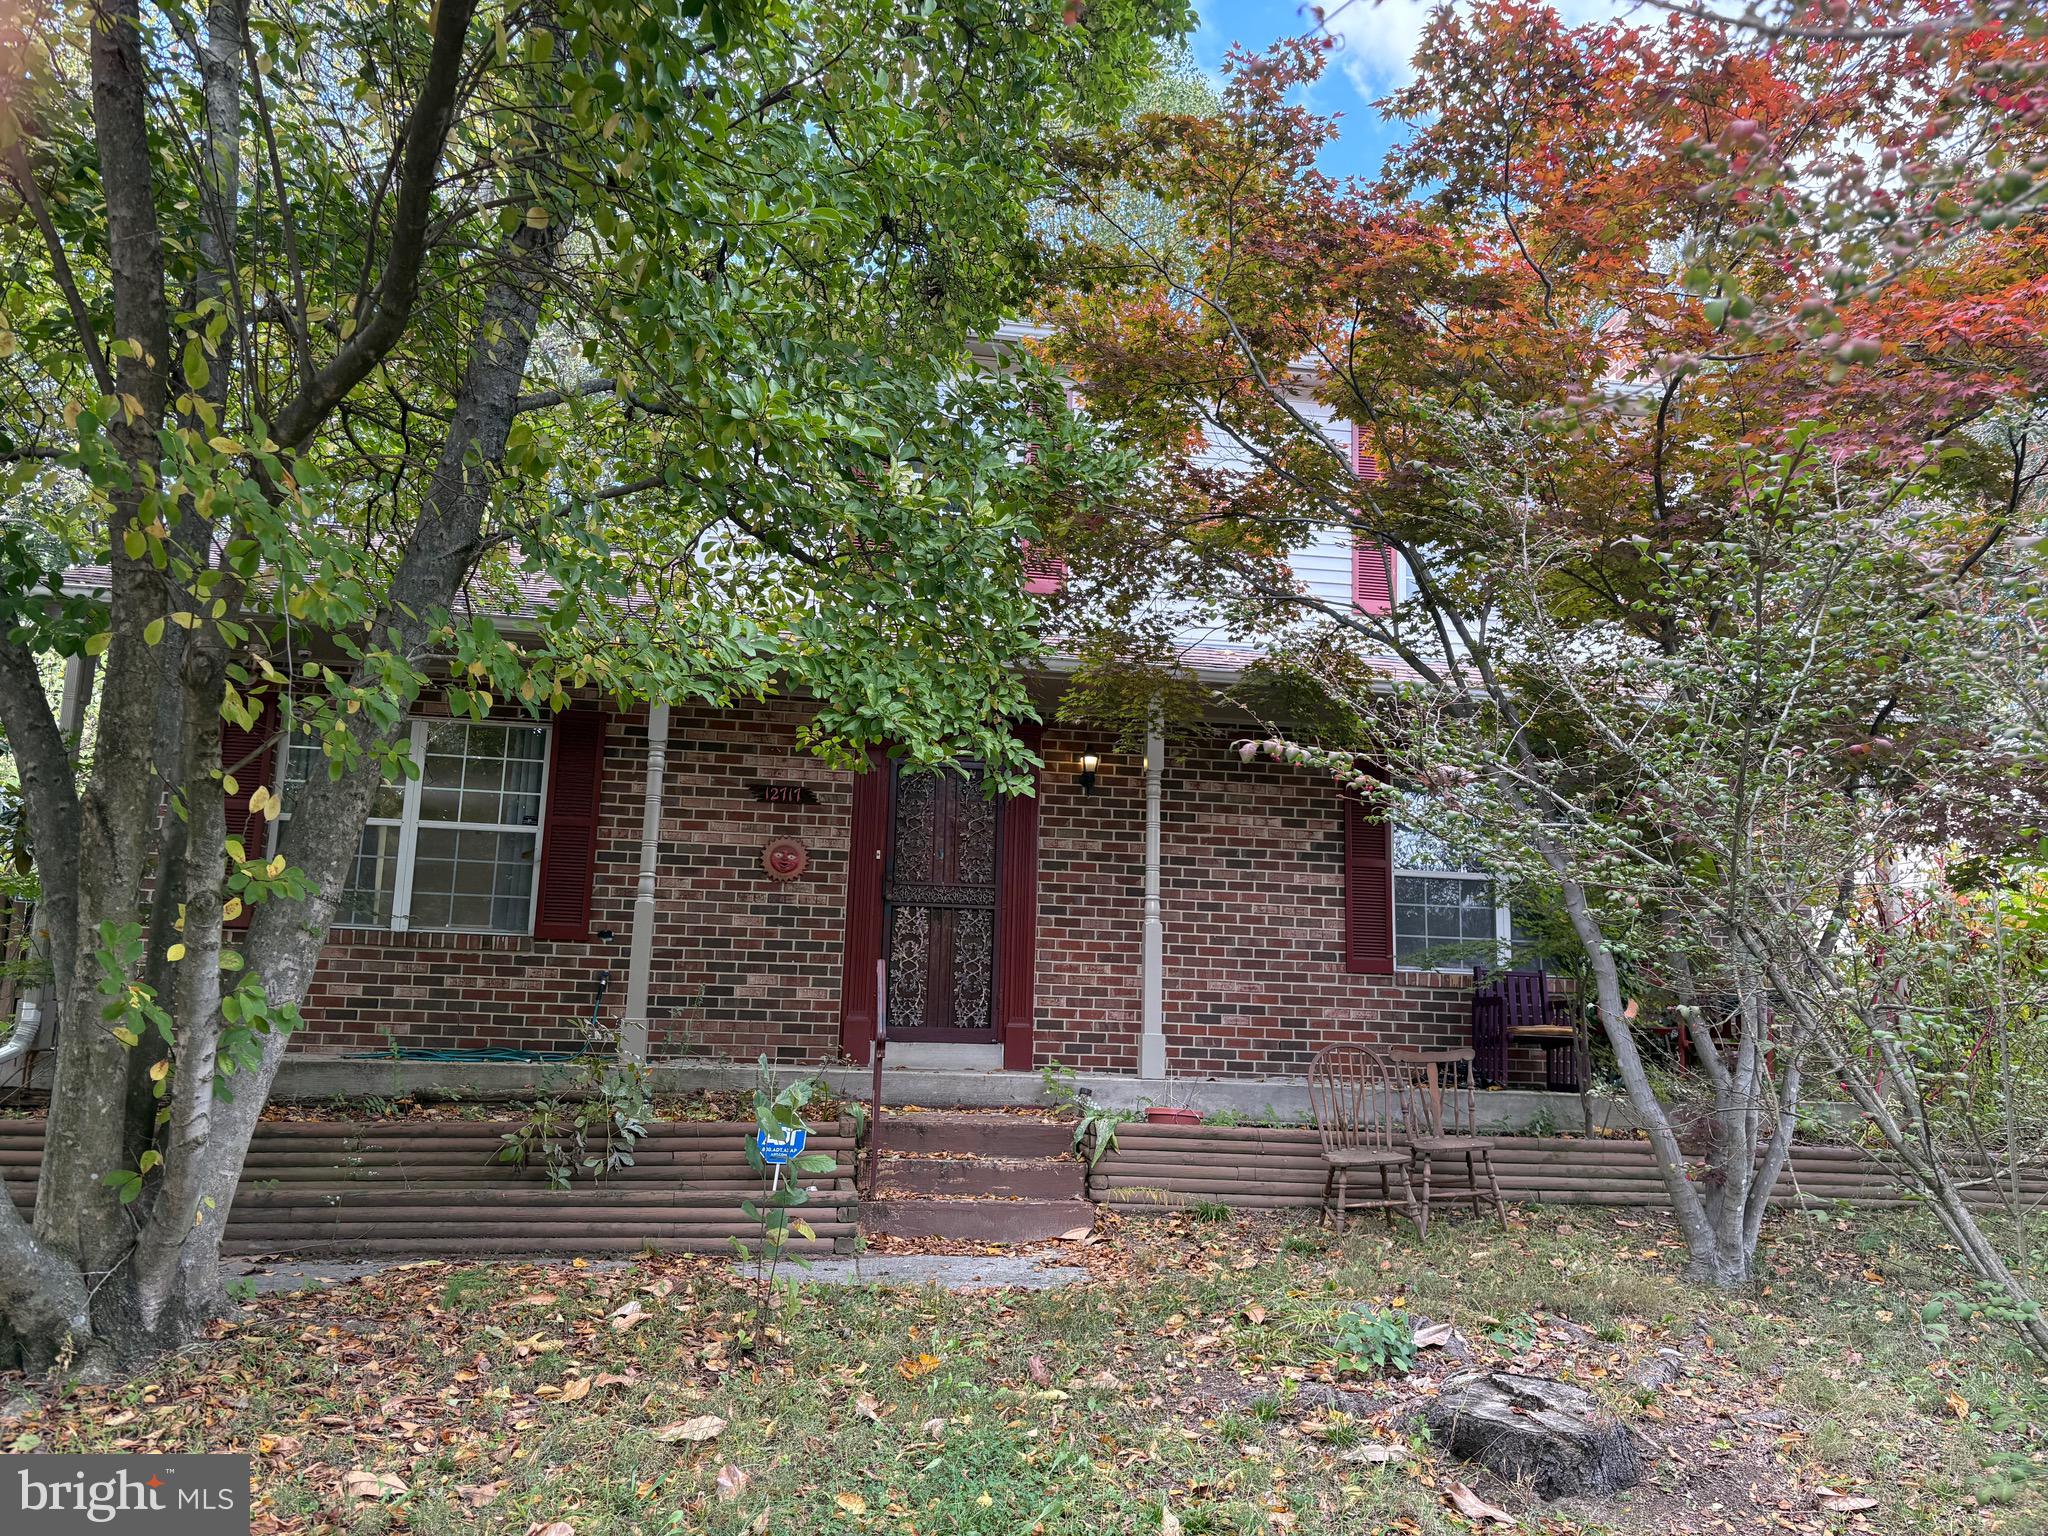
[1377, 40]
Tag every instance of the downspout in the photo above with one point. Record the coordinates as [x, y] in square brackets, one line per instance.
[78, 679]
[640, 953]
[1152, 972]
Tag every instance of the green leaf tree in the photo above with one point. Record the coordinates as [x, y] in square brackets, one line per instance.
[496, 352]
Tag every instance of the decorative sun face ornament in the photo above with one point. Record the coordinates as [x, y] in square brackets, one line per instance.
[785, 858]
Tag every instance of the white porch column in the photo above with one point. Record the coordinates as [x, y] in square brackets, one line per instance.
[640, 952]
[1152, 969]
[77, 696]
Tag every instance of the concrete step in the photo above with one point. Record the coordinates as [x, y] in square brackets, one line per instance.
[975, 1135]
[977, 1221]
[1028, 1179]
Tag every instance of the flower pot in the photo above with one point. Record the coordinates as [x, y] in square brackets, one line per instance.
[1160, 1114]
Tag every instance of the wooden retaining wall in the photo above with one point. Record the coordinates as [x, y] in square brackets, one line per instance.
[431, 1187]
[1166, 1167]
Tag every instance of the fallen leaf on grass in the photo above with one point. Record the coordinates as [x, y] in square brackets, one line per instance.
[1255, 1314]
[115, 1420]
[1374, 1455]
[732, 1482]
[1473, 1507]
[1435, 1336]
[933, 1429]
[1038, 1371]
[917, 1365]
[539, 1299]
[1076, 1235]
[706, 1426]
[477, 1495]
[551, 1528]
[1957, 1406]
[632, 1312]
[575, 1389]
[1169, 1522]
[851, 1503]
[361, 1483]
[1842, 1503]
[867, 1408]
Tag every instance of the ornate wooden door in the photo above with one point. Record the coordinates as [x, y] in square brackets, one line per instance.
[939, 907]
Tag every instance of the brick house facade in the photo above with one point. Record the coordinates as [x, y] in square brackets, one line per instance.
[1253, 887]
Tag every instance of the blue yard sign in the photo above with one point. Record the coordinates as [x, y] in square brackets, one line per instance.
[776, 1150]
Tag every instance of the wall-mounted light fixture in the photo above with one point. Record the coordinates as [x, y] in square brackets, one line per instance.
[1089, 763]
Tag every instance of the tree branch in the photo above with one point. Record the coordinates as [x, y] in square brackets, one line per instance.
[60, 266]
[426, 136]
[50, 793]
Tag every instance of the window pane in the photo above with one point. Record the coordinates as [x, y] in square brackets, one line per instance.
[1415, 849]
[303, 759]
[1443, 921]
[483, 773]
[372, 880]
[470, 879]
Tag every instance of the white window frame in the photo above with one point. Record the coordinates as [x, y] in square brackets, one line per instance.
[408, 824]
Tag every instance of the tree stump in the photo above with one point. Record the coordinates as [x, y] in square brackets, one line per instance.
[1551, 1436]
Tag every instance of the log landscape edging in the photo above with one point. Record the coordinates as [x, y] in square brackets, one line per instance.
[432, 1187]
[1168, 1167]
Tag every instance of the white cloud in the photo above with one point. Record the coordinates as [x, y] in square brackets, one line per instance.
[1377, 40]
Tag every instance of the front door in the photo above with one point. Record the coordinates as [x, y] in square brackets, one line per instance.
[939, 906]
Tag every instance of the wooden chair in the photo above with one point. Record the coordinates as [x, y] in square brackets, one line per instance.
[1517, 1005]
[1443, 1121]
[1360, 1111]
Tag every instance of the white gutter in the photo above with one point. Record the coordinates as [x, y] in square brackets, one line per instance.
[1152, 965]
[640, 953]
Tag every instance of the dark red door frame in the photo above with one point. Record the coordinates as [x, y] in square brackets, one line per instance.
[864, 852]
[1016, 913]
[1017, 917]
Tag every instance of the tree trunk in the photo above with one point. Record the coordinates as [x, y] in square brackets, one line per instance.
[1721, 1214]
[105, 1287]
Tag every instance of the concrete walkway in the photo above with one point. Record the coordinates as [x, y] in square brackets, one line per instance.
[952, 1272]
[948, 1271]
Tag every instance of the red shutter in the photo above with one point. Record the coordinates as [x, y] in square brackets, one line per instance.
[1372, 576]
[1372, 565]
[1365, 461]
[568, 851]
[1368, 891]
[1043, 574]
[250, 757]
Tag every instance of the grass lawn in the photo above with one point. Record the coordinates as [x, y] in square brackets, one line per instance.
[1198, 1384]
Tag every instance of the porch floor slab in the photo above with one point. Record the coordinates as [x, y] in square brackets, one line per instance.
[1252, 1099]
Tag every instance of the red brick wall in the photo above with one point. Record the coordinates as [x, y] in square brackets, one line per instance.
[742, 963]
[1253, 859]
[1253, 862]
[1091, 892]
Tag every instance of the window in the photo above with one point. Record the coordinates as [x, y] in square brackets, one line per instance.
[458, 845]
[1445, 918]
